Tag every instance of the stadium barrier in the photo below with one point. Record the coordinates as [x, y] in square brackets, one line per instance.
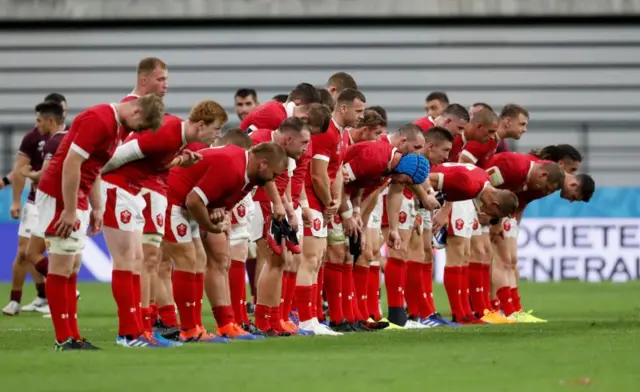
[594, 242]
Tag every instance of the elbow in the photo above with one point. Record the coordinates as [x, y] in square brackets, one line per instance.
[192, 201]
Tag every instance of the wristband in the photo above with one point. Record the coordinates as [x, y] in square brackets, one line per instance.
[304, 203]
[356, 210]
[6, 180]
[347, 214]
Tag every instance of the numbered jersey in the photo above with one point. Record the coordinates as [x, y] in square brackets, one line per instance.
[460, 181]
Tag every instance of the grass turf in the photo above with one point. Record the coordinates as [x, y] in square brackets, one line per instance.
[591, 342]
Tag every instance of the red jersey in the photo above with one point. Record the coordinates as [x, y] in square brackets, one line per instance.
[367, 164]
[480, 153]
[93, 135]
[424, 123]
[328, 147]
[217, 188]
[31, 146]
[264, 136]
[299, 174]
[159, 148]
[510, 170]
[372, 188]
[346, 138]
[460, 181]
[459, 144]
[267, 116]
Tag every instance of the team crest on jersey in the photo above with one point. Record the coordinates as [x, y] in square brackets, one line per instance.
[241, 210]
[475, 224]
[459, 224]
[507, 225]
[402, 217]
[181, 229]
[125, 216]
[160, 220]
[316, 224]
[40, 145]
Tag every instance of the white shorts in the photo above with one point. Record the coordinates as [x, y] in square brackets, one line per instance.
[375, 219]
[463, 214]
[299, 233]
[510, 226]
[47, 218]
[122, 210]
[182, 229]
[154, 214]
[317, 227]
[241, 215]
[479, 229]
[426, 218]
[29, 221]
[257, 228]
[407, 215]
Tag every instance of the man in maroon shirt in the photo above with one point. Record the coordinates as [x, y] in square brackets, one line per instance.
[49, 120]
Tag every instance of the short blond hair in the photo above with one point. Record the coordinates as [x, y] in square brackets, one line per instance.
[149, 64]
[152, 108]
[208, 112]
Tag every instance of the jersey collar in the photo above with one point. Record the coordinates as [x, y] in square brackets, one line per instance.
[115, 113]
[288, 108]
[183, 133]
[246, 168]
[531, 165]
[335, 123]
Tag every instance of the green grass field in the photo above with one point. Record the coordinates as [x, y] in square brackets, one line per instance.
[592, 342]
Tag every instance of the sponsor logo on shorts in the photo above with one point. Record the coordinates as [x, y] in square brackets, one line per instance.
[419, 219]
[160, 220]
[316, 224]
[475, 224]
[459, 224]
[125, 216]
[242, 211]
[76, 227]
[181, 229]
[402, 217]
[507, 225]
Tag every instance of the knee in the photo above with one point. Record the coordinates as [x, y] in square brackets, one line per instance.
[151, 261]
[21, 255]
[219, 263]
[164, 270]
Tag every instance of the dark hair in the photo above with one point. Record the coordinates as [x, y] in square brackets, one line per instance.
[381, 111]
[327, 98]
[293, 124]
[318, 118]
[282, 98]
[246, 92]
[456, 110]
[235, 136]
[51, 108]
[555, 174]
[410, 131]
[305, 93]
[587, 186]
[484, 105]
[342, 81]
[349, 95]
[372, 118]
[438, 96]
[512, 110]
[55, 97]
[438, 134]
[558, 152]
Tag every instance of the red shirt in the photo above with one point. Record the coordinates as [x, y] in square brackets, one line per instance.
[459, 144]
[299, 174]
[346, 138]
[94, 135]
[159, 149]
[367, 164]
[267, 116]
[460, 181]
[264, 136]
[328, 147]
[510, 170]
[218, 188]
[31, 146]
[424, 123]
[480, 153]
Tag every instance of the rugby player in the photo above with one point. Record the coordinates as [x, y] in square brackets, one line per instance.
[435, 104]
[245, 100]
[65, 191]
[338, 82]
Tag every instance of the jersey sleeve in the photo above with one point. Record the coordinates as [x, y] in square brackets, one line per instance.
[214, 183]
[323, 146]
[474, 151]
[90, 134]
[28, 145]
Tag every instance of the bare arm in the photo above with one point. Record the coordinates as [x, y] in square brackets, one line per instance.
[320, 180]
[394, 203]
[337, 188]
[18, 179]
[95, 196]
[199, 212]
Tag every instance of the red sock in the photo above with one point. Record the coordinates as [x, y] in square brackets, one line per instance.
[464, 292]
[373, 292]
[275, 318]
[515, 297]
[333, 288]
[263, 313]
[360, 280]
[223, 315]
[122, 290]
[185, 297]
[427, 282]
[476, 288]
[394, 282]
[251, 266]
[236, 288]
[319, 294]
[452, 277]
[354, 301]
[154, 312]
[283, 290]
[137, 297]
[486, 285]
[199, 297]
[42, 266]
[302, 302]
[290, 293]
[504, 296]
[243, 311]
[146, 319]
[347, 296]
[72, 306]
[57, 295]
[16, 295]
[495, 304]
[168, 315]
[314, 302]
[415, 289]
